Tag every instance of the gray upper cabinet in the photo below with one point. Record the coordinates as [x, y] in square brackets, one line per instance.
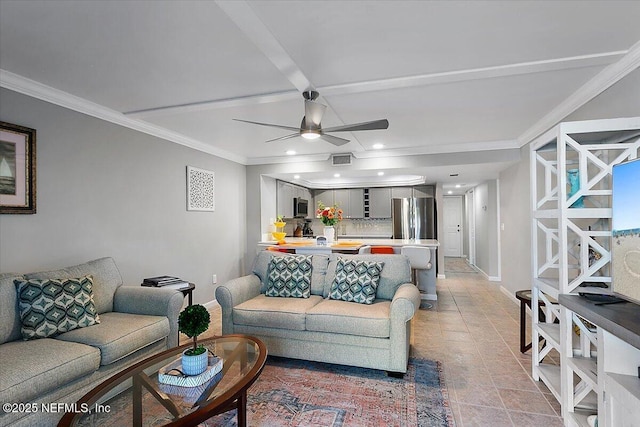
[400, 192]
[380, 202]
[324, 196]
[351, 201]
[424, 191]
[284, 199]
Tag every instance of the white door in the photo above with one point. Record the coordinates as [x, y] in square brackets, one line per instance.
[452, 213]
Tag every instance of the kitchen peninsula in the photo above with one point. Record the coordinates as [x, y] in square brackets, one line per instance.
[426, 278]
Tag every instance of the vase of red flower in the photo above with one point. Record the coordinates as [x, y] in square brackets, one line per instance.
[330, 216]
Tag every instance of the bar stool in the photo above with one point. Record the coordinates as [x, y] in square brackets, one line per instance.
[382, 250]
[419, 258]
[366, 249]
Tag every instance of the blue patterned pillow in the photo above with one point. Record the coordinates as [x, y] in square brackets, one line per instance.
[289, 276]
[51, 307]
[356, 280]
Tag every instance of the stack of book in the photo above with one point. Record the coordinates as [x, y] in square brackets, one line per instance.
[169, 282]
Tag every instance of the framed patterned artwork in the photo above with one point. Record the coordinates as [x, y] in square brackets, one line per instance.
[200, 190]
[17, 169]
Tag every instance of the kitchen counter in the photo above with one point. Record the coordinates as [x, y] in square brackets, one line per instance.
[302, 245]
[353, 245]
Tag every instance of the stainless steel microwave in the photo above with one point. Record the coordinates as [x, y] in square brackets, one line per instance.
[300, 207]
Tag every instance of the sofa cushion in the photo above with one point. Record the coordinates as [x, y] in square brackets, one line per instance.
[120, 334]
[282, 313]
[50, 307]
[9, 313]
[289, 276]
[356, 280]
[106, 279]
[35, 367]
[319, 264]
[340, 317]
[396, 272]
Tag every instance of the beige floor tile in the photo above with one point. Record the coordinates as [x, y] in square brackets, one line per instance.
[524, 419]
[526, 401]
[483, 416]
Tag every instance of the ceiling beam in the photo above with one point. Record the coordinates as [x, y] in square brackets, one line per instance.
[395, 83]
[594, 87]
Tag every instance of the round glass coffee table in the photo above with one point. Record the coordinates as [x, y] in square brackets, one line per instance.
[146, 401]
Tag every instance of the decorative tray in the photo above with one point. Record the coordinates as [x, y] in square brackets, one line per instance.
[167, 374]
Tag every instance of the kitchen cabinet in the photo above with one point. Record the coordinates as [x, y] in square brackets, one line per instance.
[284, 199]
[379, 202]
[400, 192]
[423, 191]
[324, 196]
[285, 193]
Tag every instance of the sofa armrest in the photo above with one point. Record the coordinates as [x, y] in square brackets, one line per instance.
[235, 292]
[405, 303]
[153, 302]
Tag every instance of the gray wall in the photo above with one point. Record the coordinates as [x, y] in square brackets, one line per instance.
[486, 214]
[515, 214]
[620, 100]
[104, 190]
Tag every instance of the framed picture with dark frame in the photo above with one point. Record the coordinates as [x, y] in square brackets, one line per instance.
[17, 169]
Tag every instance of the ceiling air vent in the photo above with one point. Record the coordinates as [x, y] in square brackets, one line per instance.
[341, 159]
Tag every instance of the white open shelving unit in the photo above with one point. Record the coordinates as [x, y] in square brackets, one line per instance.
[571, 237]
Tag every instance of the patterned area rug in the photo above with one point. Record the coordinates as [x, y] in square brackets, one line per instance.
[457, 265]
[299, 393]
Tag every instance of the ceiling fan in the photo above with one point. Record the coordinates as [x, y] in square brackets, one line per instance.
[310, 128]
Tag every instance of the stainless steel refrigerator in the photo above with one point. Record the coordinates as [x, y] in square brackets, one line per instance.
[414, 218]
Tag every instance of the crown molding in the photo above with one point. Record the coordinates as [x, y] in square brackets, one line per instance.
[25, 86]
[594, 87]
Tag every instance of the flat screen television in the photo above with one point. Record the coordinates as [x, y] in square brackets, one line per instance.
[625, 245]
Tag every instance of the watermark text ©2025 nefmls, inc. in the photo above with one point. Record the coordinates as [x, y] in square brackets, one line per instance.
[55, 407]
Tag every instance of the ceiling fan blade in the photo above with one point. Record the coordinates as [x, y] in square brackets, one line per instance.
[313, 112]
[376, 124]
[269, 124]
[334, 139]
[293, 135]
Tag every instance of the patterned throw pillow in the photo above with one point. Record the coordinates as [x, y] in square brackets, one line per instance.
[50, 307]
[289, 276]
[356, 280]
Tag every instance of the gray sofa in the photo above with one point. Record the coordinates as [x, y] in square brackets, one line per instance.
[135, 322]
[322, 329]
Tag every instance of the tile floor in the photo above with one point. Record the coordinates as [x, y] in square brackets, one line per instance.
[473, 329]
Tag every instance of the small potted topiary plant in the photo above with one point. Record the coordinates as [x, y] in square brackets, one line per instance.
[193, 321]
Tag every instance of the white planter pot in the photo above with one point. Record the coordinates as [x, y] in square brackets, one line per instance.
[195, 365]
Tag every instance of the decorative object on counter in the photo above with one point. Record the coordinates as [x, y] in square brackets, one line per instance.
[330, 216]
[573, 178]
[279, 234]
[200, 190]
[193, 321]
[321, 241]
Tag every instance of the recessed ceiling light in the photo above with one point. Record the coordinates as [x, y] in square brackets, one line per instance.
[449, 192]
[377, 146]
[296, 176]
[336, 175]
[380, 173]
[290, 152]
[457, 185]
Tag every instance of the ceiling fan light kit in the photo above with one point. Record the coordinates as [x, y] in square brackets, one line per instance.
[310, 127]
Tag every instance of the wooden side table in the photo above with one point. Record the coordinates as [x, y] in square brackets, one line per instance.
[524, 296]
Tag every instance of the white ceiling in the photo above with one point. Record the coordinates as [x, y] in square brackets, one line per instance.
[449, 76]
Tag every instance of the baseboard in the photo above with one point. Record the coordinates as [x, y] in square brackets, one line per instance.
[211, 304]
[441, 276]
[489, 278]
[508, 293]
